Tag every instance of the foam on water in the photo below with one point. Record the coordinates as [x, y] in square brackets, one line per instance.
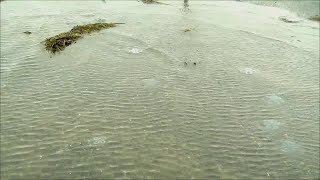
[150, 83]
[293, 150]
[135, 51]
[97, 140]
[249, 71]
[271, 125]
[274, 99]
[289, 146]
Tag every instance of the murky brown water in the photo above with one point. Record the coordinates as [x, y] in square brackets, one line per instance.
[148, 100]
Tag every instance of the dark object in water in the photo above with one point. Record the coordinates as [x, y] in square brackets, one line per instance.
[195, 63]
[185, 3]
[185, 6]
[27, 32]
[185, 64]
[152, 2]
[284, 19]
[188, 29]
[315, 18]
[61, 41]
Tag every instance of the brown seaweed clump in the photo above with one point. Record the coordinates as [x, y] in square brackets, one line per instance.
[61, 41]
[287, 20]
[152, 2]
[315, 18]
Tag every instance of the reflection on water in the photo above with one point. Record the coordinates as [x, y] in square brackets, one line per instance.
[148, 100]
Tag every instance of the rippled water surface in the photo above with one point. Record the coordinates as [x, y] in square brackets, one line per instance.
[235, 97]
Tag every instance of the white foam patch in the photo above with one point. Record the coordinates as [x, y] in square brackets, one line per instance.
[97, 140]
[274, 99]
[291, 148]
[249, 71]
[150, 83]
[135, 51]
[271, 125]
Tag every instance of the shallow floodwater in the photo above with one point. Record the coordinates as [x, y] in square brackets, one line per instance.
[235, 97]
[306, 8]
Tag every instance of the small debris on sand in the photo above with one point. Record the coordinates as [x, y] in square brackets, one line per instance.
[27, 32]
[152, 2]
[288, 20]
[315, 18]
